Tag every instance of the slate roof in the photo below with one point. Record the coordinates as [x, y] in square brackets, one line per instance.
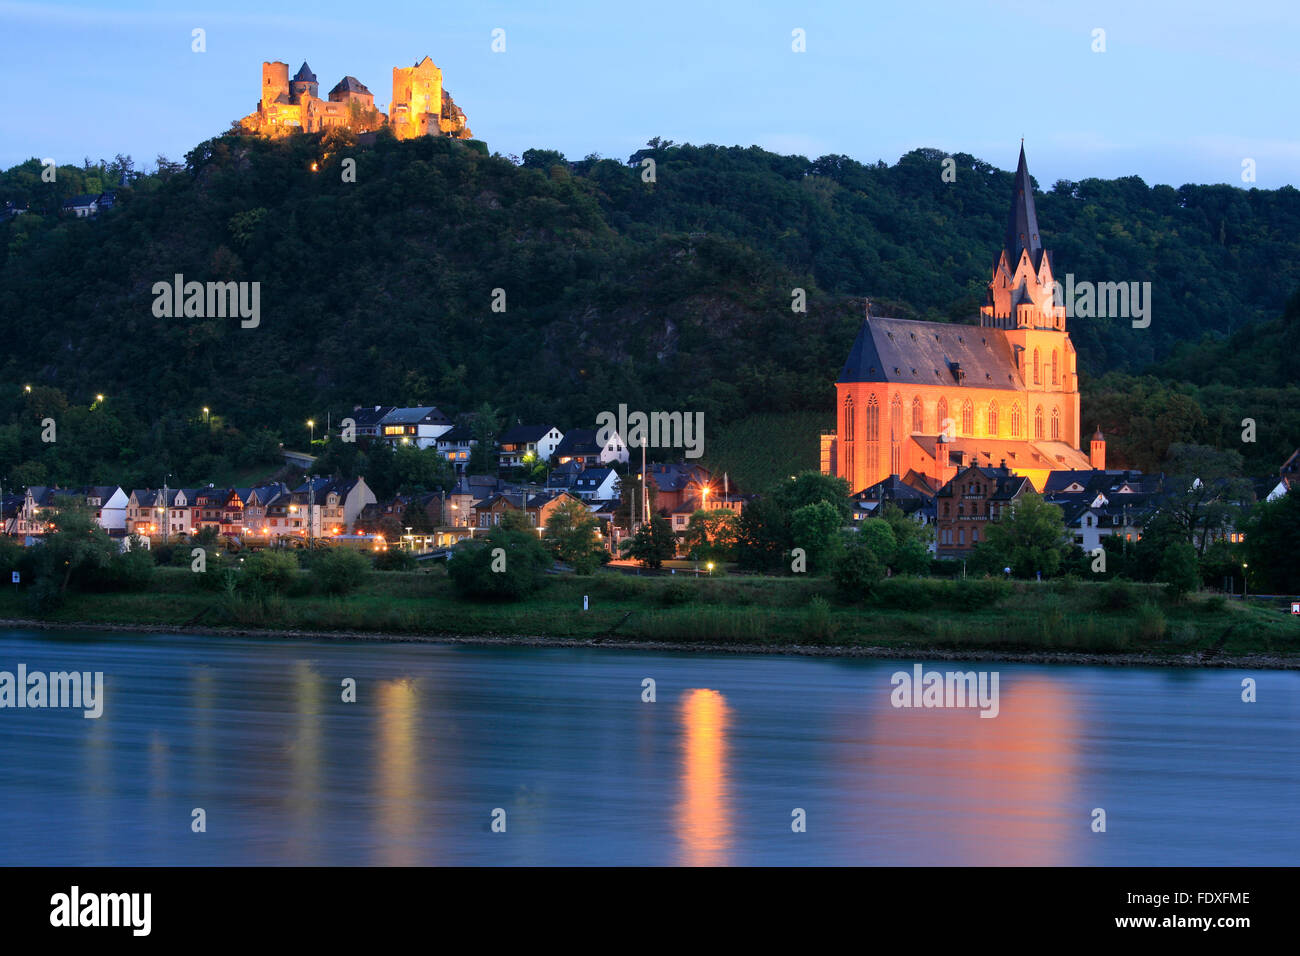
[349, 84]
[578, 441]
[305, 74]
[369, 415]
[1022, 223]
[931, 353]
[522, 434]
[419, 415]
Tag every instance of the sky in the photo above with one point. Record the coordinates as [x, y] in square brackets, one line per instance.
[1183, 92]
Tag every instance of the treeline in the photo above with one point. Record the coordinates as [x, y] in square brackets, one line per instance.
[670, 290]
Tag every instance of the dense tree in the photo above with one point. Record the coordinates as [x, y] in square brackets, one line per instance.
[652, 544]
[1273, 545]
[572, 534]
[1030, 540]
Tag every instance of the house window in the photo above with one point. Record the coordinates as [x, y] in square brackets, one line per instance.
[961, 537]
[974, 535]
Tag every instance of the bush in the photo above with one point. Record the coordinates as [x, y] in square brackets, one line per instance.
[1118, 596]
[505, 565]
[1214, 603]
[1151, 622]
[910, 594]
[396, 559]
[857, 570]
[677, 592]
[817, 625]
[269, 572]
[971, 594]
[340, 570]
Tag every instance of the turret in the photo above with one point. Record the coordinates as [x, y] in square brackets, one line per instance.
[1097, 451]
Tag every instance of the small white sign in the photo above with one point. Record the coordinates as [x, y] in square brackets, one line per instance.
[16, 579]
[1295, 605]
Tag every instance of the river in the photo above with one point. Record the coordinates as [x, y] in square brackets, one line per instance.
[560, 747]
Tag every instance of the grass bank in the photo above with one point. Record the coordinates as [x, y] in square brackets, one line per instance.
[982, 616]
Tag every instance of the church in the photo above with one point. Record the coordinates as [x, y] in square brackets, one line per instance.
[923, 400]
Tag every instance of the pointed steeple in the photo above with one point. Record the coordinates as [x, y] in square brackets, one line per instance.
[1022, 225]
[305, 75]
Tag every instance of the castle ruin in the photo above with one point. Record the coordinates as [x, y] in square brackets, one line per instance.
[420, 106]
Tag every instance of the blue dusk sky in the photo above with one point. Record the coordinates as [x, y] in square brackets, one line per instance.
[1184, 91]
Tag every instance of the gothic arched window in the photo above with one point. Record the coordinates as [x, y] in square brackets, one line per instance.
[967, 418]
[1056, 424]
[873, 419]
[943, 414]
[1038, 379]
[993, 419]
[1038, 422]
[918, 415]
[1015, 421]
[848, 418]
[1054, 378]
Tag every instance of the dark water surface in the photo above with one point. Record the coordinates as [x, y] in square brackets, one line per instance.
[255, 733]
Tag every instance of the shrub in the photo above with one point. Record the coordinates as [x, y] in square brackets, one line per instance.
[1118, 596]
[817, 624]
[857, 570]
[1214, 603]
[677, 592]
[971, 594]
[396, 559]
[269, 572]
[505, 565]
[340, 570]
[1151, 622]
[911, 594]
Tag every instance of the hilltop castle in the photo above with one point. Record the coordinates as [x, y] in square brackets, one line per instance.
[420, 106]
[926, 399]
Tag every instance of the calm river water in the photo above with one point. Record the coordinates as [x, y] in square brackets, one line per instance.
[256, 734]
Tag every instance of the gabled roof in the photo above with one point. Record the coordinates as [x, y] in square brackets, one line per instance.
[458, 433]
[522, 434]
[578, 441]
[365, 415]
[350, 84]
[931, 353]
[419, 415]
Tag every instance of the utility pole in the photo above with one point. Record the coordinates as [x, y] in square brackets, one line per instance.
[166, 512]
[311, 507]
[645, 490]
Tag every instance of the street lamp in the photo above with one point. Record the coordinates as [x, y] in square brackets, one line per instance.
[312, 434]
[205, 413]
[1245, 583]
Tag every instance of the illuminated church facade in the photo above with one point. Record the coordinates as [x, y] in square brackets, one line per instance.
[922, 400]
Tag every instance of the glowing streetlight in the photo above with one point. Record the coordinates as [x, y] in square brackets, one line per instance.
[27, 389]
[311, 425]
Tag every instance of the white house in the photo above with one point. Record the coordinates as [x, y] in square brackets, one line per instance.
[420, 426]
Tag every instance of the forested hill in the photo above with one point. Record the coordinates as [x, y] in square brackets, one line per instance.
[672, 293]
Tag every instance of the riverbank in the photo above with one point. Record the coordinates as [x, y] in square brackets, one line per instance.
[900, 651]
[1070, 622]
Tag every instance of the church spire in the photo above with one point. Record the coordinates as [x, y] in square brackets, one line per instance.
[1022, 225]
